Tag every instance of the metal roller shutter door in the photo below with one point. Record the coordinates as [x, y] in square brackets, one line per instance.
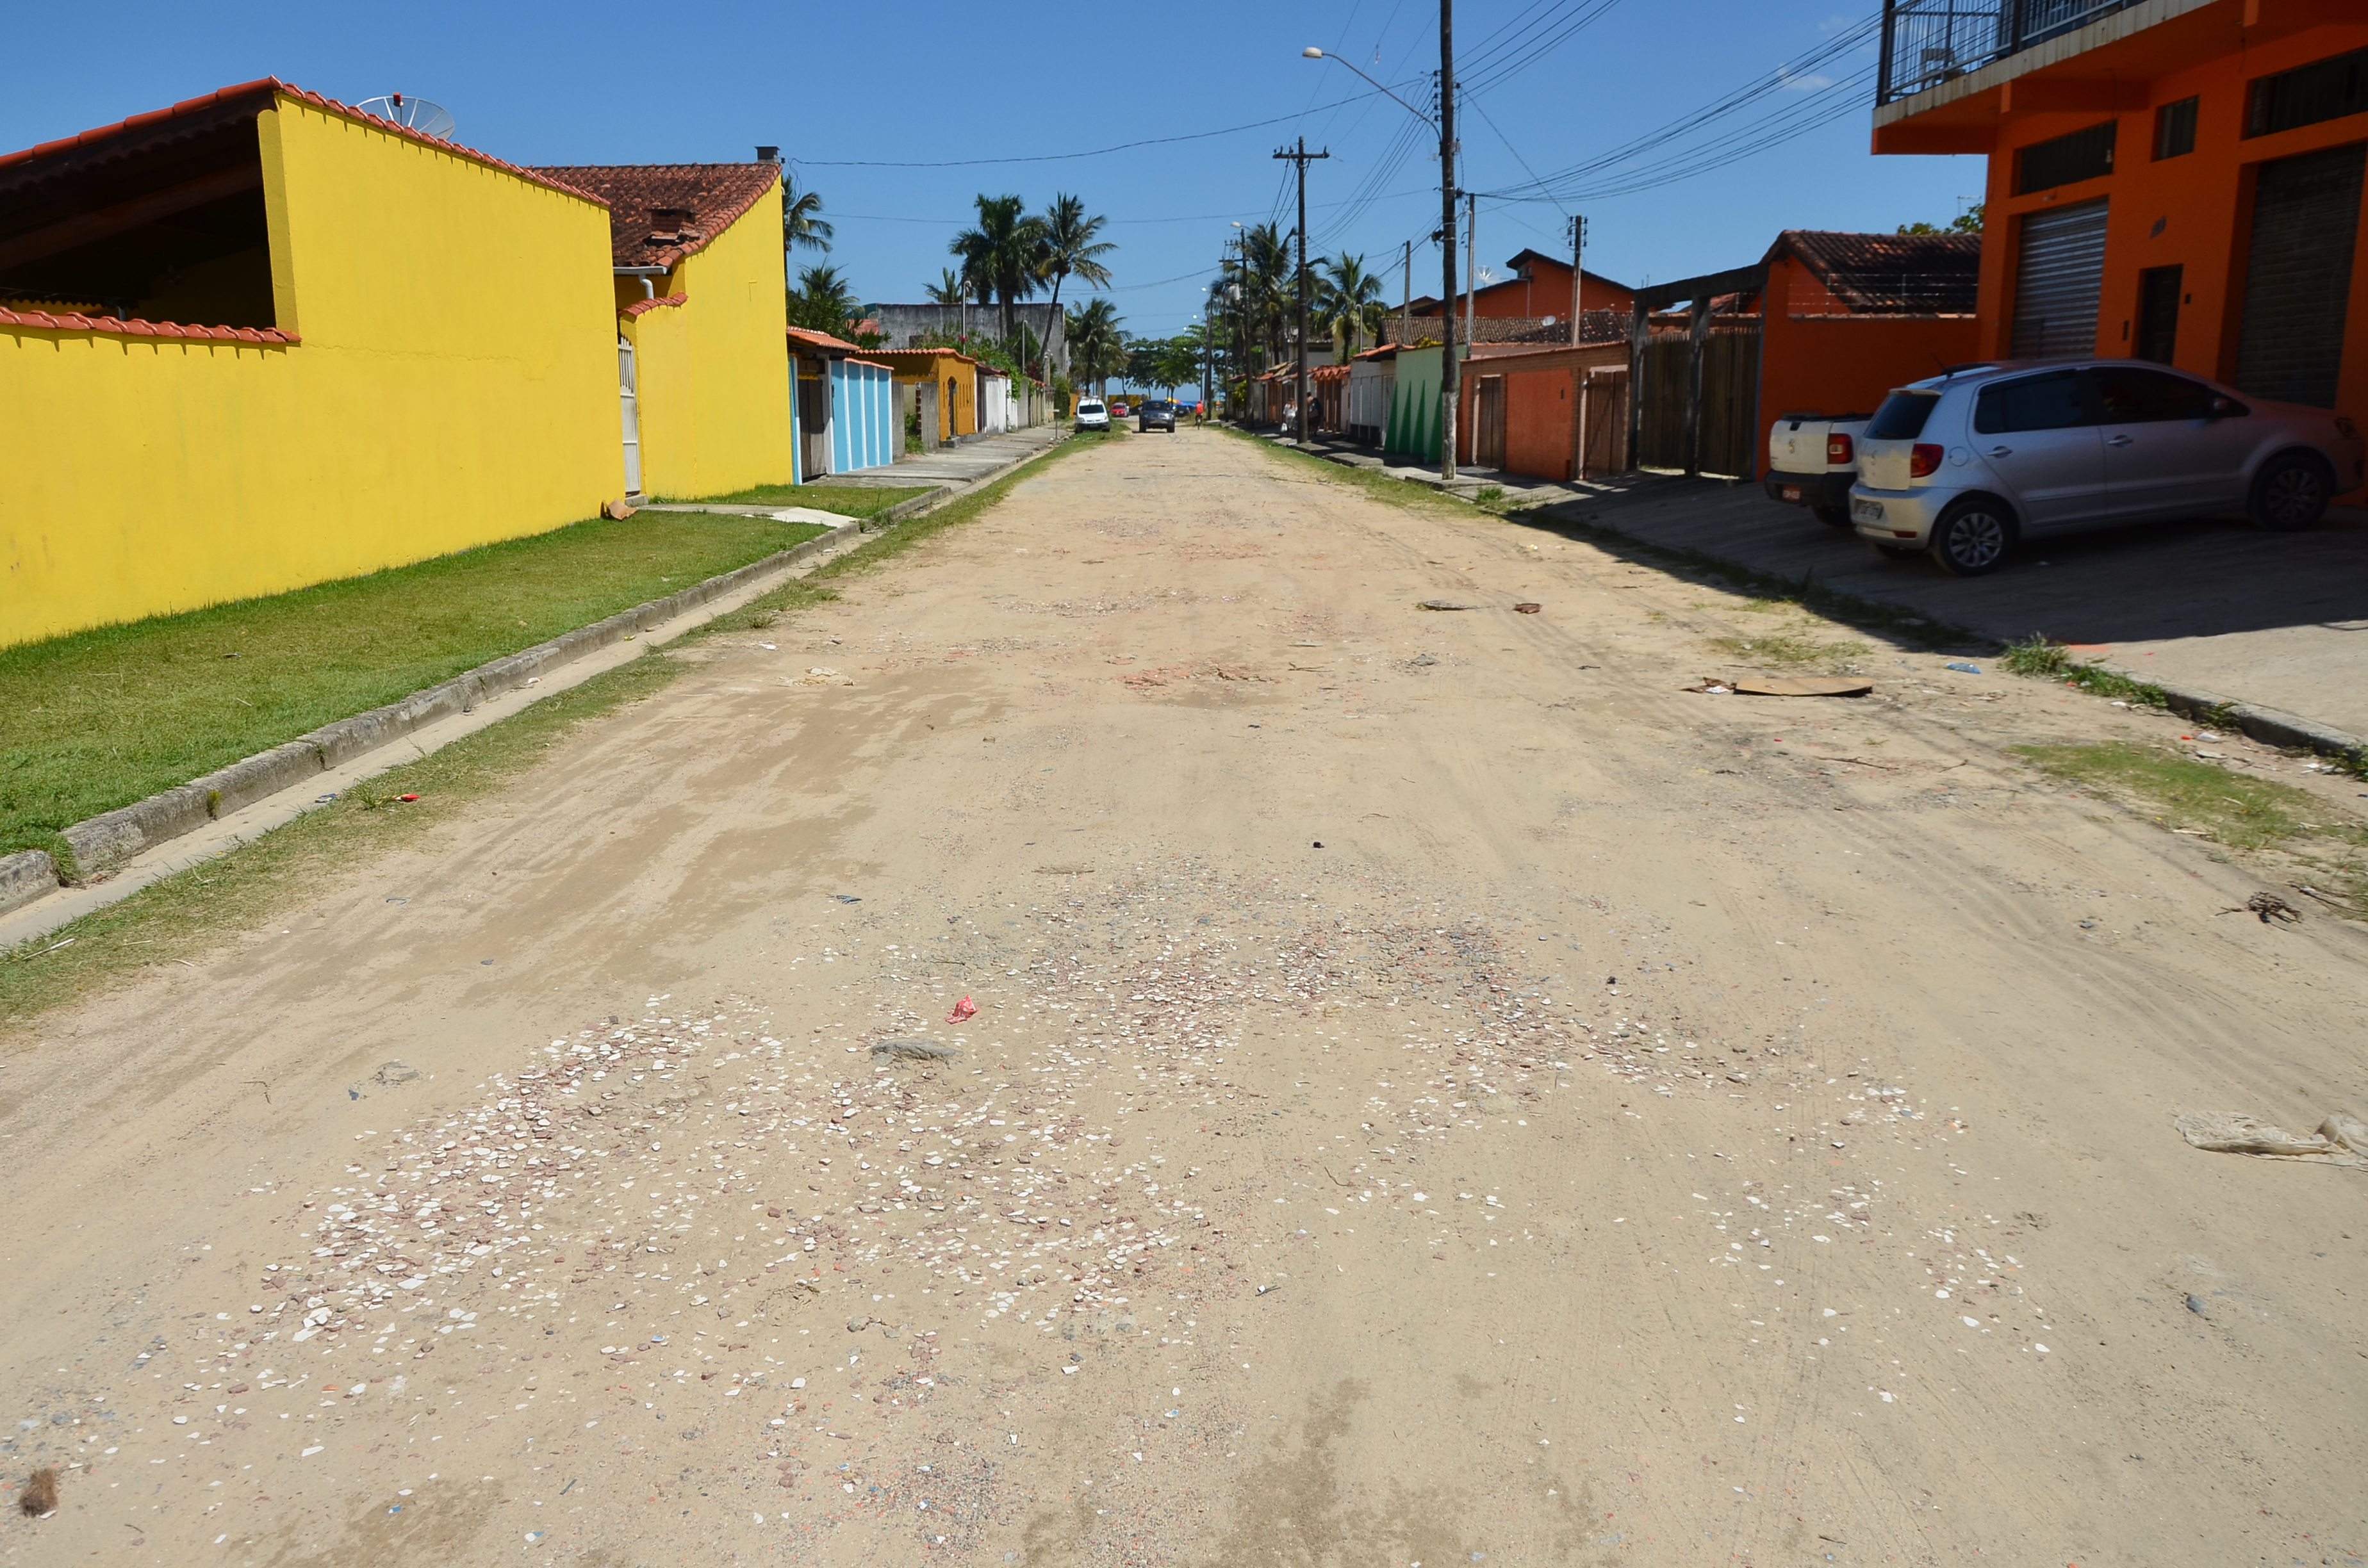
[2057, 279]
[2305, 220]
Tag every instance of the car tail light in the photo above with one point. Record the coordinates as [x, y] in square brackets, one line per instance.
[1923, 461]
[1838, 451]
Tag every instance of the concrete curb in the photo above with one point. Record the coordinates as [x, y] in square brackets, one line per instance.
[111, 837]
[25, 876]
[2270, 726]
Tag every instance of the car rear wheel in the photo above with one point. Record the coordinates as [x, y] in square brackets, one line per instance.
[2290, 494]
[1973, 538]
[1833, 517]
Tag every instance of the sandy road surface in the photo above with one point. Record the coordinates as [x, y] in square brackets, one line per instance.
[1638, 1134]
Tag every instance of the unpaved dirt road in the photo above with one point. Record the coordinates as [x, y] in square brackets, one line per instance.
[1651, 1128]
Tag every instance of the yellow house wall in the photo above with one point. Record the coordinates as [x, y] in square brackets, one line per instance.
[713, 374]
[456, 384]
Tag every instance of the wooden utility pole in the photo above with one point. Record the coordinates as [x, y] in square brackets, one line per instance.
[1449, 372]
[1301, 159]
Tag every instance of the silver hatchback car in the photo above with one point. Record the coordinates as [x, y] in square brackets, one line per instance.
[1966, 465]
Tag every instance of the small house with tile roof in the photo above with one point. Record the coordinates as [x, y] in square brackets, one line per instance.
[845, 405]
[952, 379]
[701, 303]
[1846, 317]
[262, 339]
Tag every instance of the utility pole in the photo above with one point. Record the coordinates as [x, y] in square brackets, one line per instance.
[1577, 329]
[1301, 159]
[1471, 267]
[1449, 372]
[1405, 287]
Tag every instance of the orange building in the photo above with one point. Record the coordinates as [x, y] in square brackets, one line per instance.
[1539, 288]
[2175, 180]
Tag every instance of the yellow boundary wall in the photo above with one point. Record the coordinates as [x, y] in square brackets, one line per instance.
[455, 384]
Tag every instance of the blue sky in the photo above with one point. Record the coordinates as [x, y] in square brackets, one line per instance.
[936, 84]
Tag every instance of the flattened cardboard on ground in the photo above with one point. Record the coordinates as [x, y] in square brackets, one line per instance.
[1801, 686]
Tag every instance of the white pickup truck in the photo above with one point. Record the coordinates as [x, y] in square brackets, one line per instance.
[1813, 462]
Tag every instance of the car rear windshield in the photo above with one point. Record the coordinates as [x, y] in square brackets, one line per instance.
[1089, 408]
[1902, 416]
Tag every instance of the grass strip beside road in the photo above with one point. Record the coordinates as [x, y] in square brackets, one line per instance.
[100, 718]
[191, 912]
[846, 500]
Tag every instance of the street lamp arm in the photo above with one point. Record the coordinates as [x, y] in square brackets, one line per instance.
[1312, 52]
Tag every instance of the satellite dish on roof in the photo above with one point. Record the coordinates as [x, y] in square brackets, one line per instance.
[415, 114]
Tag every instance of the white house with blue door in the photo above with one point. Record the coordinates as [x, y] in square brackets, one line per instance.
[842, 407]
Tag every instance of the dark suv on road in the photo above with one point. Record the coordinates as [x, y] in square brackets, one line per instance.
[1155, 413]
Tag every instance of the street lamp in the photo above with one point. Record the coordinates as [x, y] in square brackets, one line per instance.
[1449, 371]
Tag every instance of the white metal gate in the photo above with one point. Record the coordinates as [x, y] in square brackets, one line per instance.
[2057, 280]
[631, 410]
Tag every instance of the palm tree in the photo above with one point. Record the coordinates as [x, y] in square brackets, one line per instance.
[1348, 299]
[1097, 346]
[1069, 246]
[949, 290]
[802, 220]
[1000, 257]
[822, 301]
[1261, 279]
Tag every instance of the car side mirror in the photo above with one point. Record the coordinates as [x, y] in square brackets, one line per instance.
[2225, 408]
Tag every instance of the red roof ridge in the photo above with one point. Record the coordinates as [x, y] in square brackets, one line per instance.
[70, 320]
[275, 85]
[825, 339]
[628, 183]
[642, 307]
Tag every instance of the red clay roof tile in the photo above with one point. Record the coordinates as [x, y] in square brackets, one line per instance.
[662, 301]
[713, 195]
[71, 321]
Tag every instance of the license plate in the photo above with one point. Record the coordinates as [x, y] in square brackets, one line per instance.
[1866, 511]
[1793, 494]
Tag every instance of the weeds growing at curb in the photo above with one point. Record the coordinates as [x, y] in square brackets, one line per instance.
[2042, 658]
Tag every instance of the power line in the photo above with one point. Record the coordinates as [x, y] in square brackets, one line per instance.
[1063, 157]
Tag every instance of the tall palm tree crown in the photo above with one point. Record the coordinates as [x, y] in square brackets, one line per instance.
[1000, 256]
[1349, 300]
[1097, 346]
[1071, 247]
[802, 220]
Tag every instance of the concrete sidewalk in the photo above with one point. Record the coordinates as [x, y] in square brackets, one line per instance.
[2277, 620]
[968, 464]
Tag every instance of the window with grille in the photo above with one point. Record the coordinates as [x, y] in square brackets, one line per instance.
[2083, 154]
[2322, 90]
